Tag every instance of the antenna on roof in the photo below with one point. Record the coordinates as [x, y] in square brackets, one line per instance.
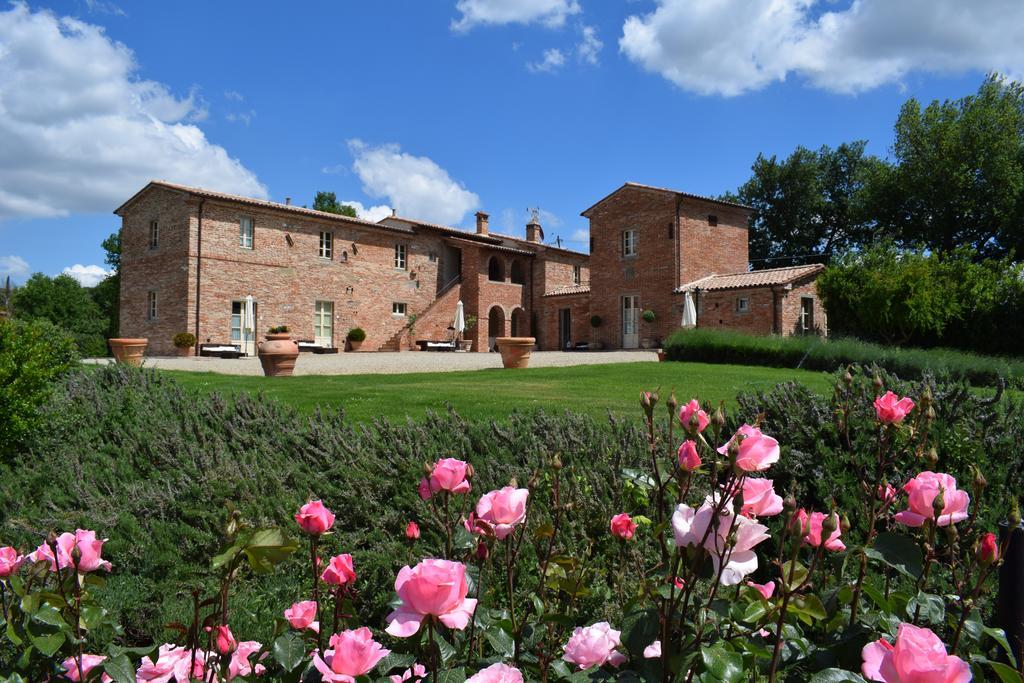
[534, 214]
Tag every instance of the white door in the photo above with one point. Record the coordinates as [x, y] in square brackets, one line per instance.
[243, 339]
[323, 323]
[630, 321]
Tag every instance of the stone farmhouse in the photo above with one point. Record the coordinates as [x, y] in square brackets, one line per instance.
[191, 256]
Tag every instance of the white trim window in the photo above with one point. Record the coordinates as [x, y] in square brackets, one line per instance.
[326, 244]
[577, 275]
[398, 308]
[151, 310]
[154, 234]
[742, 305]
[628, 243]
[245, 232]
[401, 254]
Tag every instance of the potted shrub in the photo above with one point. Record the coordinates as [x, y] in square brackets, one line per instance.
[128, 350]
[515, 351]
[467, 344]
[595, 343]
[355, 338]
[184, 341]
[648, 318]
[278, 353]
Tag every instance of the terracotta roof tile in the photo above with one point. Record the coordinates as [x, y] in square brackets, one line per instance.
[769, 277]
[568, 289]
[680, 193]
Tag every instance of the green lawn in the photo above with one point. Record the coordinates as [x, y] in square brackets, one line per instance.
[592, 389]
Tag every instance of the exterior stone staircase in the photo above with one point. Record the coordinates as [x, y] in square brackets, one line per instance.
[433, 321]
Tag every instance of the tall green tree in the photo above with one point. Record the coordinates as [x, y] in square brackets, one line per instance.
[107, 292]
[327, 201]
[66, 303]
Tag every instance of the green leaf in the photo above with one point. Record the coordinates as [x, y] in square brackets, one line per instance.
[47, 644]
[798, 572]
[899, 551]
[1006, 673]
[446, 649]
[723, 666]
[755, 611]
[835, 676]
[395, 661]
[51, 617]
[933, 610]
[501, 640]
[999, 635]
[451, 676]
[809, 605]
[120, 669]
[877, 597]
[289, 650]
[267, 548]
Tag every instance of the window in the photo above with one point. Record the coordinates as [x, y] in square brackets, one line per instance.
[154, 234]
[671, 230]
[397, 308]
[326, 245]
[245, 230]
[323, 323]
[629, 242]
[806, 314]
[495, 269]
[516, 272]
[742, 304]
[151, 305]
[400, 257]
[712, 220]
[577, 275]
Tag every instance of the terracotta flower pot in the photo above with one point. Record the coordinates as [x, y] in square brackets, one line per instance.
[661, 356]
[515, 351]
[354, 345]
[184, 351]
[277, 354]
[128, 350]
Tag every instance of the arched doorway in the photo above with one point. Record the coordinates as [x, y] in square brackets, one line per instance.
[520, 324]
[495, 326]
[496, 269]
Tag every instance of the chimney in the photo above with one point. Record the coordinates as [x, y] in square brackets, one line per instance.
[534, 233]
[287, 201]
[481, 223]
[394, 212]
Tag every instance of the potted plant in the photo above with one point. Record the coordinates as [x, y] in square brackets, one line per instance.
[648, 317]
[278, 353]
[595, 343]
[184, 341]
[355, 338]
[467, 344]
[515, 351]
[128, 350]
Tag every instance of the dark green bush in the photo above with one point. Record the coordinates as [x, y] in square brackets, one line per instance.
[64, 302]
[183, 340]
[356, 334]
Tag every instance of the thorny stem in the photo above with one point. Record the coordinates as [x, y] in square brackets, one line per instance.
[511, 599]
[786, 594]
[313, 546]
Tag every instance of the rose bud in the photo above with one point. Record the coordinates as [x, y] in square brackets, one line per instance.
[932, 458]
[482, 551]
[412, 531]
[671, 403]
[224, 640]
[989, 551]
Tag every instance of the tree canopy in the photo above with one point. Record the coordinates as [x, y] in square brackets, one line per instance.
[327, 201]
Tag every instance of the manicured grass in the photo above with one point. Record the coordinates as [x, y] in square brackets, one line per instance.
[493, 394]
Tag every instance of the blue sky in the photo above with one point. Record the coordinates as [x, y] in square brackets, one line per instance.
[444, 107]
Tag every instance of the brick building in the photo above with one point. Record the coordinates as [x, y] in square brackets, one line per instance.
[191, 256]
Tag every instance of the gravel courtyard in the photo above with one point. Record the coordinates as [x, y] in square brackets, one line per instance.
[393, 363]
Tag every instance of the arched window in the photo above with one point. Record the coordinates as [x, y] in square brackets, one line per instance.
[495, 326]
[496, 269]
[517, 272]
[520, 326]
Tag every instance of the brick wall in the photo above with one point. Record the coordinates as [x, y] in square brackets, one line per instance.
[706, 249]
[790, 303]
[553, 268]
[549, 320]
[770, 310]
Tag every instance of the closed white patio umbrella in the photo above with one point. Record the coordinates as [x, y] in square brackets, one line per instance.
[460, 319]
[689, 311]
[248, 323]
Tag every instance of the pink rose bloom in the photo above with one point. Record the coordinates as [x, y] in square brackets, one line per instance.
[412, 531]
[353, 653]
[10, 560]
[314, 518]
[623, 526]
[686, 413]
[89, 547]
[431, 588]
[594, 646]
[921, 492]
[767, 590]
[503, 509]
[690, 527]
[424, 489]
[760, 499]
[886, 494]
[653, 651]
[223, 640]
[416, 673]
[757, 451]
[172, 665]
[89, 662]
[302, 615]
[449, 475]
[988, 552]
[240, 664]
[918, 656]
[340, 571]
[891, 410]
[811, 525]
[688, 458]
[497, 673]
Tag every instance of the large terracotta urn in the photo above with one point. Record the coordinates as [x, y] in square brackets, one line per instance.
[515, 351]
[277, 354]
[128, 350]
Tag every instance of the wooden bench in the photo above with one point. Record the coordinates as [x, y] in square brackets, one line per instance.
[221, 350]
[435, 345]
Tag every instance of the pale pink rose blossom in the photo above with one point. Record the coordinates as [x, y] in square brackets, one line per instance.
[302, 615]
[424, 489]
[89, 662]
[690, 526]
[431, 588]
[497, 673]
[594, 645]
[688, 410]
[921, 492]
[503, 509]
[653, 651]
[449, 474]
[765, 589]
[917, 656]
[811, 525]
[757, 451]
[689, 459]
[340, 571]
[623, 526]
[172, 664]
[10, 560]
[89, 549]
[760, 499]
[892, 410]
[416, 673]
[314, 518]
[241, 664]
[353, 653]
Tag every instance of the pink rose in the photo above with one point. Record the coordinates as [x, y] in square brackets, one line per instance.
[691, 526]
[757, 451]
[921, 492]
[449, 475]
[431, 588]
[314, 518]
[918, 656]
[653, 651]
[811, 526]
[10, 560]
[302, 615]
[424, 489]
[353, 653]
[89, 662]
[89, 549]
[891, 410]
[686, 413]
[767, 590]
[172, 664]
[412, 531]
[988, 552]
[497, 673]
[339, 571]
[886, 494]
[416, 673]
[503, 509]
[223, 640]
[594, 646]
[623, 526]
[688, 458]
[240, 664]
[760, 499]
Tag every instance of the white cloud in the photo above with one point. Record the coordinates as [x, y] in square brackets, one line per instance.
[550, 13]
[728, 47]
[589, 46]
[233, 95]
[244, 117]
[553, 60]
[87, 276]
[82, 132]
[369, 213]
[416, 186]
[13, 266]
[580, 236]
[101, 7]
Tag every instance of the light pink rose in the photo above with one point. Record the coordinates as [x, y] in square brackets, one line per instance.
[891, 410]
[886, 494]
[416, 673]
[689, 460]
[449, 474]
[10, 560]
[314, 518]
[89, 662]
[686, 413]
[503, 509]
[690, 527]
[767, 590]
[172, 664]
[431, 588]
[760, 499]
[302, 615]
[339, 571]
[757, 451]
[497, 673]
[353, 653]
[594, 646]
[811, 526]
[623, 526]
[653, 651]
[240, 664]
[89, 548]
[921, 492]
[918, 656]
